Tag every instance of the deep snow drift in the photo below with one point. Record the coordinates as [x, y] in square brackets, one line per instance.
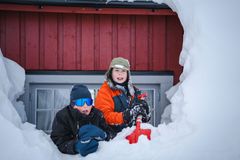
[205, 107]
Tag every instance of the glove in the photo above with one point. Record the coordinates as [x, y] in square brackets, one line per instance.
[89, 132]
[145, 106]
[138, 110]
[130, 115]
[146, 117]
[85, 148]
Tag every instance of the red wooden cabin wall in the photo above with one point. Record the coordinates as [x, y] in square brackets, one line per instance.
[73, 41]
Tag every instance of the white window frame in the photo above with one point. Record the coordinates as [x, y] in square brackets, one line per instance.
[163, 82]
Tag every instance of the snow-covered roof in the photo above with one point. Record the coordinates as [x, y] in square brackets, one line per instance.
[93, 3]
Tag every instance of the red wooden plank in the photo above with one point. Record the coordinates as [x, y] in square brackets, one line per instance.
[87, 50]
[150, 43]
[22, 40]
[2, 32]
[105, 41]
[97, 42]
[69, 42]
[13, 36]
[78, 41]
[50, 42]
[85, 10]
[159, 43]
[142, 43]
[133, 42]
[41, 40]
[115, 35]
[124, 38]
[32, 41]
[174, 46]
[60, 42]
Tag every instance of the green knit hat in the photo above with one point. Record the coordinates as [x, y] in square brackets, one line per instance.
[120, 62]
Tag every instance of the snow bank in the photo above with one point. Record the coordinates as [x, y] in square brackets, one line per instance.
[18, 140]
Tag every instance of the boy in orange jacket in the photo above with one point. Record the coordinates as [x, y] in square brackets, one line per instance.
[118, 97]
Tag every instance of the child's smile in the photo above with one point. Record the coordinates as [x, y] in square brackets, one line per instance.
[119, 75]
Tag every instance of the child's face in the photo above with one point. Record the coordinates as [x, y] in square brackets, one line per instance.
[85, 109]
[119, 75]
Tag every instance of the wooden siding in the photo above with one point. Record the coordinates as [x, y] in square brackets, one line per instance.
[74, 41]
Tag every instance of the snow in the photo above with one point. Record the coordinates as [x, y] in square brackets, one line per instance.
[204, 106]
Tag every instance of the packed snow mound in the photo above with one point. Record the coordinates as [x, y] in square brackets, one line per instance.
[11, 85]
[18, 140]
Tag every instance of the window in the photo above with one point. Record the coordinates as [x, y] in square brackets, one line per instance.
[46, 94]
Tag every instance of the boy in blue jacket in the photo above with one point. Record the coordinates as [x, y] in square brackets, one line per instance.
[78, 127]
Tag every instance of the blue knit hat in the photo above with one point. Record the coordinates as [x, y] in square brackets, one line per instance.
[79, 91]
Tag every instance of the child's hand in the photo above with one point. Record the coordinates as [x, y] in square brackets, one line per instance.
[90, 131]
[85, 148]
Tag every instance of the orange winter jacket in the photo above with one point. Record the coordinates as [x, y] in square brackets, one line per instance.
[112, 102]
